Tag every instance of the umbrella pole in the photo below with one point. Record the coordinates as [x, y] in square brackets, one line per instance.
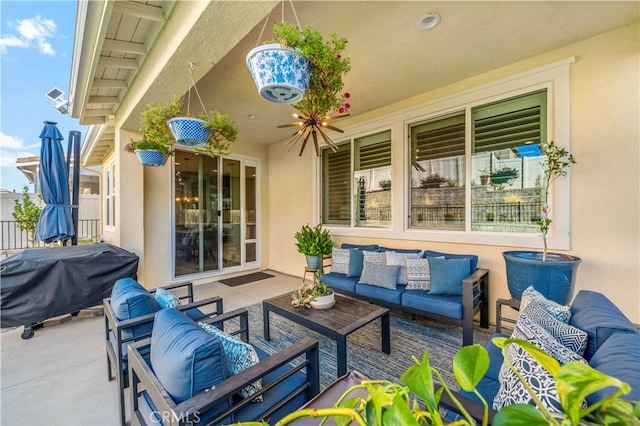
[74, 139]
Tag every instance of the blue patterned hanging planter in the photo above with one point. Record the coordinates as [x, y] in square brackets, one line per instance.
[151, 157]
[189, 131]
[281, 74]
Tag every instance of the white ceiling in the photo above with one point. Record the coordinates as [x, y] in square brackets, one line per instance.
[391, 60]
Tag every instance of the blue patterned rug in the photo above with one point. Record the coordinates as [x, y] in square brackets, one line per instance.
[408, 338]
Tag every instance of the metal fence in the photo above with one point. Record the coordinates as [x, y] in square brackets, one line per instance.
[13, 238]
[523, 212]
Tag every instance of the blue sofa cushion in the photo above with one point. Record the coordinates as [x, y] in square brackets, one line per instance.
[356, 259]
[619, 357]
[237, 357]
[599, 317]
[369, 247]
[385, 249]
[340, 282]
[166, 299]
[380, 275]
[185, 358]
[381, 293]
[447, 275]
[559, 312]
[130, 300]
[473, 259]
[275, 395]
[446, 305]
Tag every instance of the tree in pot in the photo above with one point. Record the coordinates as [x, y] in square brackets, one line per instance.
[315, 243]
[552, 274]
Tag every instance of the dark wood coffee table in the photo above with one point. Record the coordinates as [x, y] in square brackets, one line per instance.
[343, 318]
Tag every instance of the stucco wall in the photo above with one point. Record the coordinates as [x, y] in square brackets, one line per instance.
[604, 83]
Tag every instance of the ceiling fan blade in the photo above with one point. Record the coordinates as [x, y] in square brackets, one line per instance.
[304, 143]
[328, 141]
[335, 117]
[330, 127]
[315, 142]
[297, 123]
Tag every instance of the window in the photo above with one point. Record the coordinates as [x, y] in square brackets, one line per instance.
[370, 182]
[110, 195]
[506, 167]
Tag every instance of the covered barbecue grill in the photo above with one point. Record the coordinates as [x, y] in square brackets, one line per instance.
[43, 283]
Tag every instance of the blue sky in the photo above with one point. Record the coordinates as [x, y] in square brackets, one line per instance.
[36, 47]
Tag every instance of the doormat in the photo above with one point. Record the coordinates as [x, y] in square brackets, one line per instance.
[245, 279]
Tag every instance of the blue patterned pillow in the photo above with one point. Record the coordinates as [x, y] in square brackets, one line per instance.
[399, 258]
[569, 336]
[340, 260]
[447, 275]
[238, 356]
[559, 312]
[166, 299]
[418, 276]
[375, 257]
[379, 275]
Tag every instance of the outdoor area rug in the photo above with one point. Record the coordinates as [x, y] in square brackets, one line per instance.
[408, 338]
[245, 279]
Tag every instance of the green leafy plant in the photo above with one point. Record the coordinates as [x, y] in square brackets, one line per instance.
[305, 294]
[329, 66]
[504, 175]
[314, 241]
[27, 213]
[432, 181]
[574, 381]
[557, 162]
[385, 184]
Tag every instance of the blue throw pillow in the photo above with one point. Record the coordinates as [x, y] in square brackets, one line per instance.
[447, 275]
[473, 259]
[400, 250]
[356, 258]
[558, 311]
[166, 299]
[570, 337]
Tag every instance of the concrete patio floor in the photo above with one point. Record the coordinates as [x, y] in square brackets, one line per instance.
[59, 377]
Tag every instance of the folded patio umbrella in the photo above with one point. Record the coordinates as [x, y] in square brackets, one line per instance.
[55, 223]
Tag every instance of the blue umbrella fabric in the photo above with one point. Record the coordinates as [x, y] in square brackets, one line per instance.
[55, 223]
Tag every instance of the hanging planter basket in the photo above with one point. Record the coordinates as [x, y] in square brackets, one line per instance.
[151, 157]
[189, 131]
[281, 74]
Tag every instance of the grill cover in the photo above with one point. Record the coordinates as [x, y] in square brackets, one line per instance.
[43, 283]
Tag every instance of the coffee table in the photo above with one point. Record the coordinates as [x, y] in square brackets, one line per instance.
[346, 316]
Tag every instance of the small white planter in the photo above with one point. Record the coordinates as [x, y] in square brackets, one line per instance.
[281, 74]
[323, 302]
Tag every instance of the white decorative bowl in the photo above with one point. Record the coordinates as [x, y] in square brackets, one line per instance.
[323, 302]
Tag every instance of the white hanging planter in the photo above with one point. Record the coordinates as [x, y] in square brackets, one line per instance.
[281, 74]
[189, 131]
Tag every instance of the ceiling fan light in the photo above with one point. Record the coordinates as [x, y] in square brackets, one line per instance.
[428, 22]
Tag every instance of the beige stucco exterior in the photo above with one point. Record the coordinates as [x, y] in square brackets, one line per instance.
[604, 83]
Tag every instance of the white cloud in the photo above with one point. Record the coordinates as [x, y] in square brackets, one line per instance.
[31, 32]
[12, 148]
[10, 142]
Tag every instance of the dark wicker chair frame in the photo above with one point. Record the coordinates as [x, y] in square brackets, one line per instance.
[186, 412]
[116, 362]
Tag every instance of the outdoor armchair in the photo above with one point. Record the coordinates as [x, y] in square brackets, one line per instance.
[179, 375]
[129, 315]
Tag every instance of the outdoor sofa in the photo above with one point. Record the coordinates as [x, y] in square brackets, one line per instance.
[605, 338]
[462, 289]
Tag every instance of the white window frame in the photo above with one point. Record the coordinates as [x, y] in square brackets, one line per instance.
[110, 195]
[553, 77]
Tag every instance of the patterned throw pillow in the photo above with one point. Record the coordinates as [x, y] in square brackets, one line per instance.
[166, 299]
[379, 275]
[560, 312]
[399, 259]
[418, 276]
[238, 356]
[512, 391]
[569, 336]
[340, 260]
[375, 257]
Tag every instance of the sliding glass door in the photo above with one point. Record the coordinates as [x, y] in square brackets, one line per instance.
[214, 214]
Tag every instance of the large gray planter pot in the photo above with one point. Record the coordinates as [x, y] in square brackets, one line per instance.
[313, 262]
[554, 277]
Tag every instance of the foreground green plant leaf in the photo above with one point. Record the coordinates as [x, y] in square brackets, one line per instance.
[470, 365]
[519, 415]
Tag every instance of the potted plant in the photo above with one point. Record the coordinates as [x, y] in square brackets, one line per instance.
[504, 175]
[314, 243]
[552, 274]
[489, 216]
[316, 295]
[156, 144]
[484, 176]
[385, 184]
[432, 181]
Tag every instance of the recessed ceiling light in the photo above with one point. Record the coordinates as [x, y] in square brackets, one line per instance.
[252, 116]
[428, 21]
